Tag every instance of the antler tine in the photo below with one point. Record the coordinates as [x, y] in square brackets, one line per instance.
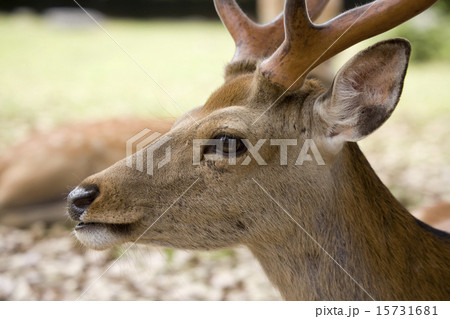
[307, 45]
[255, 41]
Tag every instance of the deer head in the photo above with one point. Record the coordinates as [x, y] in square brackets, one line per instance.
[219, 199]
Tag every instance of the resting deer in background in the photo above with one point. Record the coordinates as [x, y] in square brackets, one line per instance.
[36, 174]
[328, 232]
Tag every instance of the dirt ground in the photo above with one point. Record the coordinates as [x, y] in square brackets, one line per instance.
[44, 263]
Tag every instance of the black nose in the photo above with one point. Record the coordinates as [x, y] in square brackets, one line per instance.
[80, 199]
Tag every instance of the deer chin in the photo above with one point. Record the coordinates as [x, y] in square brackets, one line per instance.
[100, 236]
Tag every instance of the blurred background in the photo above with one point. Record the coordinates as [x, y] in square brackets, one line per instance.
[63, 76]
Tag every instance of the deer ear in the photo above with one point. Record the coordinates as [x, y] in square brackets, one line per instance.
[365, 91]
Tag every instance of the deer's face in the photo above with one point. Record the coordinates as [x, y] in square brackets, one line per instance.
[207, 196]
[207, 204]
[272, 126]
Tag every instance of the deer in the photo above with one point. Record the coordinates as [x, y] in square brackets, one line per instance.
[37, 174]
[32, 187]
[330, 231]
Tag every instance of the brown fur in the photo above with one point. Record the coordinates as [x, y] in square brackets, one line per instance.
[342, 205]
[44, 167]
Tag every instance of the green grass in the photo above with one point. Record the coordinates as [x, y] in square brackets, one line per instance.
[426, 95]
[50, 75]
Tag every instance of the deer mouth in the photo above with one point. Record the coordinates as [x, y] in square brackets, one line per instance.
[93, 226]
[85, 225]
[117, 228]
[101, 236]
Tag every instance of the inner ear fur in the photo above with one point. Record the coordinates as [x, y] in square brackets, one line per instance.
[365, 91]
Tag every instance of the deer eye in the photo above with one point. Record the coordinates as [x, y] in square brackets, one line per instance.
[226, 145]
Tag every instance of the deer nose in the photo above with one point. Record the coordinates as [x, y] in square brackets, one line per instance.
[80, 199]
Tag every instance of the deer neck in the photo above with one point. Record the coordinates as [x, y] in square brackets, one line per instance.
[358, 242]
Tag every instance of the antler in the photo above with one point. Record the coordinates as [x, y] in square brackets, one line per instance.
[307, 45]
[255, 41]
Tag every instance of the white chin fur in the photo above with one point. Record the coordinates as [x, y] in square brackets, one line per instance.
[99, 238]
